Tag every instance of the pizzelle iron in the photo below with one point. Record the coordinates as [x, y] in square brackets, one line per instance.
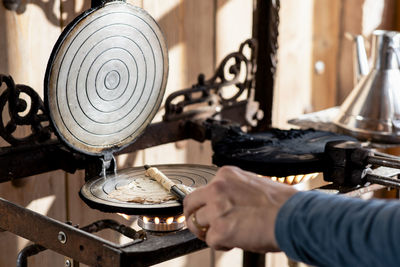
[372, 110]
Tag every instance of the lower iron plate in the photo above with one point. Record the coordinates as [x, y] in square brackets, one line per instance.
[96, 192]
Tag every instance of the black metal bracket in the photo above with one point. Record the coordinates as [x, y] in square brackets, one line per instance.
[236, 69]
[15, 99]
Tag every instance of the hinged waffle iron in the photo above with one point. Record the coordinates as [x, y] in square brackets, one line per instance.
[104, 84]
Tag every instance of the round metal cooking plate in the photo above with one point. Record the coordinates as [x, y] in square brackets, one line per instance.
[96, 192]
[106, 78]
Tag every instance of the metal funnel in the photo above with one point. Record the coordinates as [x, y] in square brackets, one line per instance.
[372, 110]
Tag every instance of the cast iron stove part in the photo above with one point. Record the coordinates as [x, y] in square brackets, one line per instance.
[349, 164]
[166, 223]
[274, 152]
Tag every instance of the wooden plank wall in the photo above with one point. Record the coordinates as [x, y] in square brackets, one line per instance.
[292, 86]
[325, 35]
[25, 42]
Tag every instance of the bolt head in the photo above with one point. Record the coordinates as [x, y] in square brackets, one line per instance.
[62, 237]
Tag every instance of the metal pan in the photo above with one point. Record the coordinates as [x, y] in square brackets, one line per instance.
[106, 78]
[96, 192]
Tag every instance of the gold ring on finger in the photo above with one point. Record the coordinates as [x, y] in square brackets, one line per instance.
[200, 227]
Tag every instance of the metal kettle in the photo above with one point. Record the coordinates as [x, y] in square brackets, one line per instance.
[372, 110]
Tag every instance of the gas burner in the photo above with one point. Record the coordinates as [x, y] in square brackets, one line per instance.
[161, 224]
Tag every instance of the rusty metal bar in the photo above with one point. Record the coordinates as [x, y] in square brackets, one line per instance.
[36, 159]
[157, 134]
[59, 237]
[52, 155]
[91, 249]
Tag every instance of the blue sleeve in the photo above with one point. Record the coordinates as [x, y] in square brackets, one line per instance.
[330, 230]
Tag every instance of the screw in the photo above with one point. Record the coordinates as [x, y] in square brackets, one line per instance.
[68, 263]
[62, 237]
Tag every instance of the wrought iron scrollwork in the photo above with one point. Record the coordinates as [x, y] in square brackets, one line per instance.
[20, 114]
[235, 69]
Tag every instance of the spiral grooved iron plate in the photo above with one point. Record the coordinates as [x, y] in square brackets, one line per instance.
[107, 78]
[96, 192]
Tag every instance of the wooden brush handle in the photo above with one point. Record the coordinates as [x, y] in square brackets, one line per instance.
[160, 177]
[165, 182]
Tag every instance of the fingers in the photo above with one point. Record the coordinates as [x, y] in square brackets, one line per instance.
[201, 220]
[194, 201]
[207, 203]
[196, 227]
[206, 194]
[236, 209]
[218, 208]
[204, 217]
[218, 236]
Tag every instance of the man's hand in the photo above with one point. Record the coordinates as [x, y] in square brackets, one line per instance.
[237, 209]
